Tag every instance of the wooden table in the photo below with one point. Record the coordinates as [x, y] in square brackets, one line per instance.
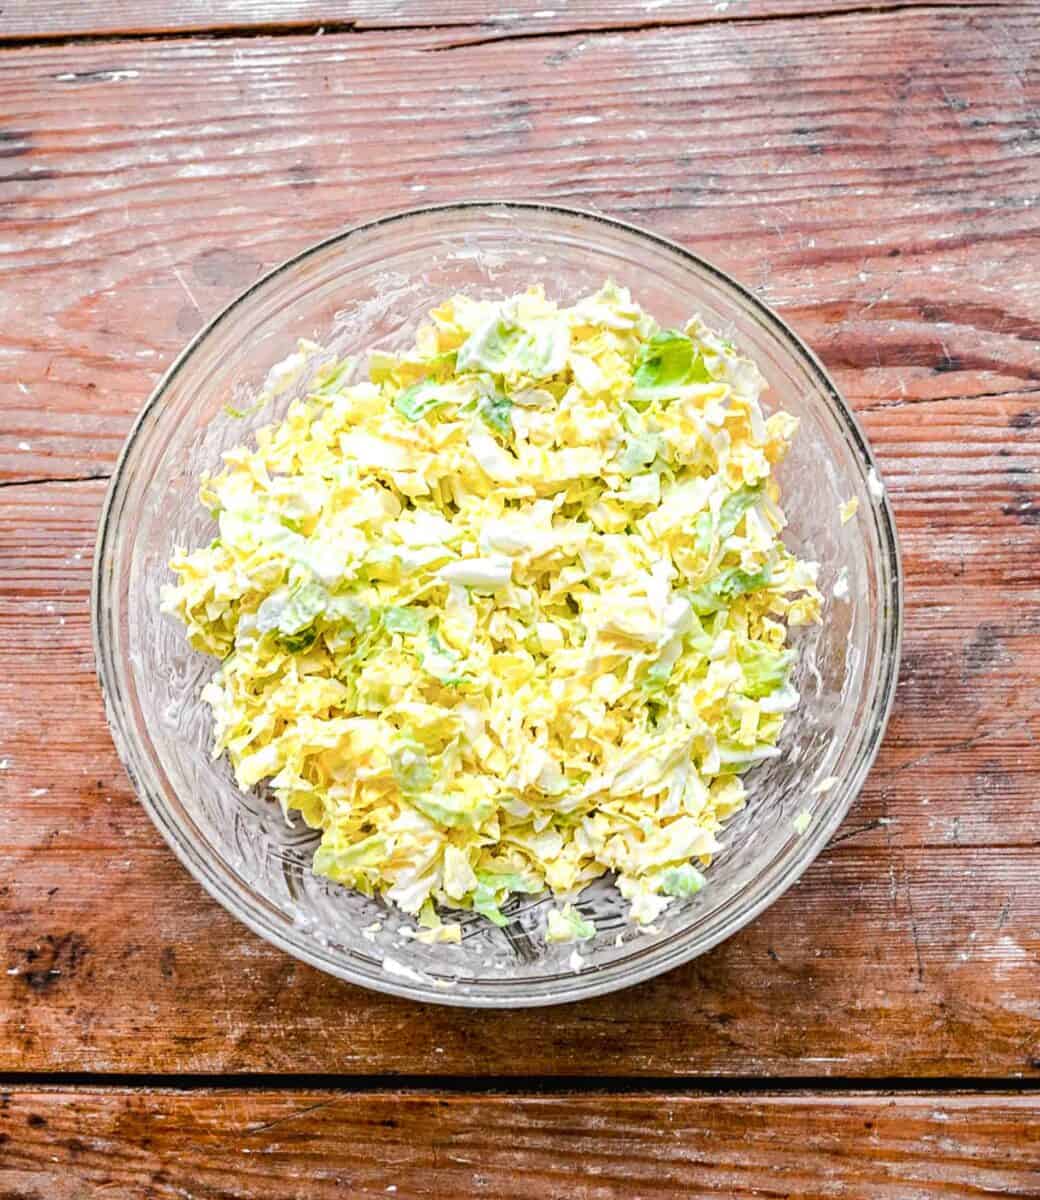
[874, 173]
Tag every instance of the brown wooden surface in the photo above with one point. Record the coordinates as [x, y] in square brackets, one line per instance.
[876, 176]
[71, 1145]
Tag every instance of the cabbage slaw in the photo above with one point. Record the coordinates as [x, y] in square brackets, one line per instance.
[510, 612]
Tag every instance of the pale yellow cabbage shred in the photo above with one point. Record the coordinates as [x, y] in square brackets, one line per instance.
[523, 623]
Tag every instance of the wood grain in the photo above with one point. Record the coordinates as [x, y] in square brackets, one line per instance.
[910, 948]
[42, 19]
[69, 1145]
[873, 176]
[908, 964]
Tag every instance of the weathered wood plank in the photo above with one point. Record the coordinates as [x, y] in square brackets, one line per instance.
[902, 963]
[35, 20]
[66, 1145]
[884, 202]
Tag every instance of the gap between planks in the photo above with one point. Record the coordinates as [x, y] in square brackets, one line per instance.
[486, 32]
[530, 1085]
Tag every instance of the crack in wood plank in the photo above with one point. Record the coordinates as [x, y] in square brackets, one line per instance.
[857, 10]
[255, 1130]
[846, 834]
[360, 26]
[909, 401]
[40, 479]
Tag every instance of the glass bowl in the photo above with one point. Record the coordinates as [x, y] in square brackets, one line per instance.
[370, 286]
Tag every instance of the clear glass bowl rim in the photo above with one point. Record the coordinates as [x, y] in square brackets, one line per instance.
[682, 945]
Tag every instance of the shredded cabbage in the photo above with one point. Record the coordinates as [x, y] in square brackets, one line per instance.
[510, 613]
